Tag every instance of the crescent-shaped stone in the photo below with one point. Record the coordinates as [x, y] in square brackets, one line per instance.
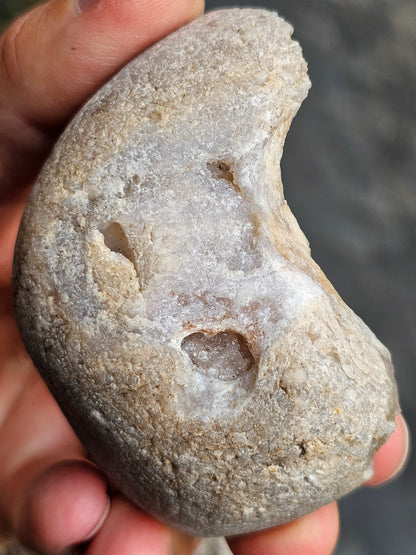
[169, 299]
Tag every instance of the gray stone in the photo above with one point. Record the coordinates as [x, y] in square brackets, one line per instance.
[169, 299]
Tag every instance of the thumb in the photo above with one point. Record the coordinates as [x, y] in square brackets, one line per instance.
[54, 57]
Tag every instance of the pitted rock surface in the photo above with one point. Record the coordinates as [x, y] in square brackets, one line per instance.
[168, 296]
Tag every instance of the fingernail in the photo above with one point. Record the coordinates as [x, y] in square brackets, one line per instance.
[85, 5]
[99, 523]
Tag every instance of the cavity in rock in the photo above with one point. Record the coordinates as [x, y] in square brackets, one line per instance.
[224, 355]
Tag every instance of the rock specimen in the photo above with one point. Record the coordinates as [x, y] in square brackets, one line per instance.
[168, 297]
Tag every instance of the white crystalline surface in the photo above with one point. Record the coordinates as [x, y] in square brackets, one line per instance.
[168, 296]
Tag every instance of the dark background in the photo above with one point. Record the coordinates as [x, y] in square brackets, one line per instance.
[349, 170]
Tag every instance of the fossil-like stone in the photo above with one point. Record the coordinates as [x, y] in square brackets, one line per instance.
[169, 299]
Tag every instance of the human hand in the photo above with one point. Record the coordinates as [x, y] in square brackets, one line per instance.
[51, 497]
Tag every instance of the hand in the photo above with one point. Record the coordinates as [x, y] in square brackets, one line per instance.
[51, 497]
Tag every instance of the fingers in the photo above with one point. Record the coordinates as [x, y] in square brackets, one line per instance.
[391, 458]
[313, 534]
[34, 435]
[74, 52]
[16, 368]
[47, 501]
[51, 497]
[11, 211]
[64, 505]
[128, 530]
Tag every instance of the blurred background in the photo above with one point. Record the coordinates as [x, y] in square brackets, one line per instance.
[349, 170]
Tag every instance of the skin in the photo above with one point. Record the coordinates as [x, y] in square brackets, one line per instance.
[51, 497]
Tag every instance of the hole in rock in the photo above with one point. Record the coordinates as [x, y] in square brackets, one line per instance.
[221, 169]
[302, 448]
[116, 240]
[224, 355]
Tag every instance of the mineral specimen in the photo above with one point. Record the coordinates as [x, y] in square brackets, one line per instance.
[168, 297]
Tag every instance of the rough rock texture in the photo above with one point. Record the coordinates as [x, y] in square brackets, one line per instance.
[168, 296]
